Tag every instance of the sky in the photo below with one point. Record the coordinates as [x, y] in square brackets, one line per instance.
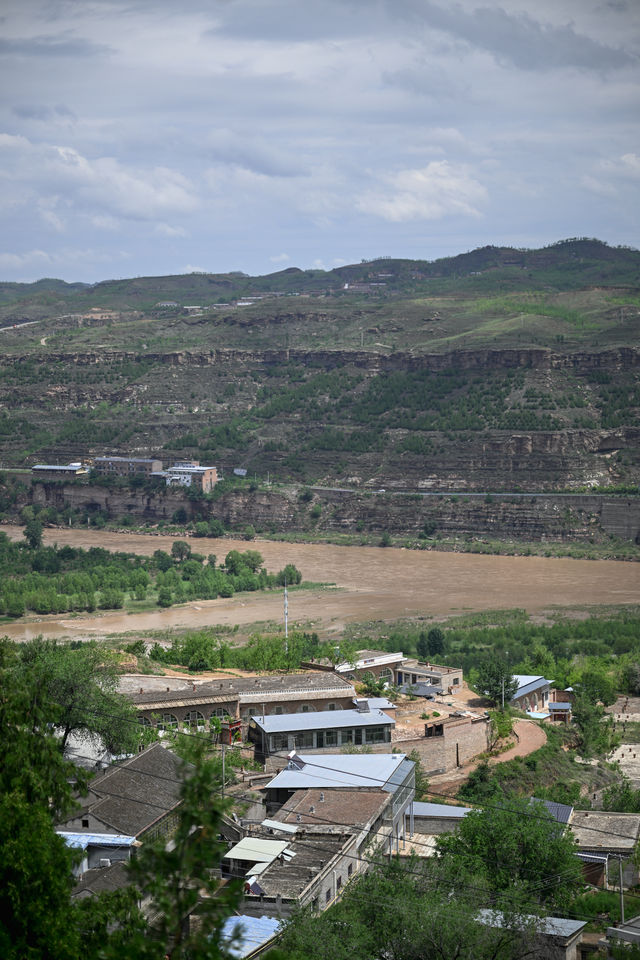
[149, 137]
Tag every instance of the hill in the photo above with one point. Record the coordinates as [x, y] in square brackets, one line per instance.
[498, 369]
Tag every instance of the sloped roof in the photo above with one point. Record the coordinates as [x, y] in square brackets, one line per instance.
[102, 880]
[243, 935]
[528, 684]
[133, 795]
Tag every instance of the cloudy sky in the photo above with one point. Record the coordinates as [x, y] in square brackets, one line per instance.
[152, 137]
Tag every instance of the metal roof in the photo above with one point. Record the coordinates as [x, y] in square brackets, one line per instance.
[84, 840]
[322, 720]
[341, 770]
[527, 684]
[561, 812]
[243, 935]
[559, 705]
[442, 810]
[256, 850]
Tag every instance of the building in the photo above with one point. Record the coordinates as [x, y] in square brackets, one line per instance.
[551, 938]
[604, 841]
[446, 679]
[327, 730]
[379, 663]
[191, 474]
[435, 818]
[59, 471]
[388, 773]
[126, 466]
[137, 799]
[532, 694]
[193, 705]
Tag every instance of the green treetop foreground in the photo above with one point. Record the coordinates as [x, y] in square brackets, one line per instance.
[38, 918]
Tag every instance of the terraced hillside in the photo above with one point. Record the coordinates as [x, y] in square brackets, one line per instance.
[495, 370]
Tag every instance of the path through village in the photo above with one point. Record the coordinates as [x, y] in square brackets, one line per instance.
[530, 737]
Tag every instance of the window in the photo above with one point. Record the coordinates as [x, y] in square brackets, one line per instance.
[437, 730]
[331, 706]
[327, 897]
[385, 674]
[331, 738]
[85, 824]
[302, 740]
[349, 869]
[346, 736]
[144, 721]
[194, 720]
[279, 741]
[168, 721]
[278, 711]
[306, 708]
[376, 735]
[456, 681]
[338, 883]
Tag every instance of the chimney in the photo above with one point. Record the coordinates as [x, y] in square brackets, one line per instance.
[312, 809]
[141, 690]
[321, 797]
[168, 689]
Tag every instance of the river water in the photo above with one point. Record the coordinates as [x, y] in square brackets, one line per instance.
[373, 584]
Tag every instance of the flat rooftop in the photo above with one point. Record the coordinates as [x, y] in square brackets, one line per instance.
[596, 830]
[335, 770]
[290, 878]
[343, 808]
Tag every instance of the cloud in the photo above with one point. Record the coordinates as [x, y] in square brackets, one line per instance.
[166, 230]
[60, 45]
[43, 113]
[521, 40]
[435, 191]
[280, 258]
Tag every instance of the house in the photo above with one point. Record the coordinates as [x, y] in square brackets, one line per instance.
[99, 850]
[126, 466]
[323, 838]
[192, 705]
[552, 938]
[532, 694]
[605, 840]
[326, 730]
[379, 663]
[137, 799]
[59, 471]
[388, 773]
[413, 672]
[191, 474]
[434, 818]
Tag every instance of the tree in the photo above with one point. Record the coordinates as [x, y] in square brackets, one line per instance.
[180, 550]
[415, 908]
[163, 560]
[83, 683]
[519, 848]
[181, 878]
[33, 533]
[289, 575]
[35, 867]
[493, 679]
[435, 638]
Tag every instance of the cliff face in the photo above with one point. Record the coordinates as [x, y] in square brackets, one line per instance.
[567, 518]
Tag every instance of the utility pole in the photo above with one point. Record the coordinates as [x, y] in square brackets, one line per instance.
[286, 617]
[621, 893]
[222, 784]
[503, 694]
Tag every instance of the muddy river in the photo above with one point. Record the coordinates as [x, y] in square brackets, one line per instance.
[373, 584]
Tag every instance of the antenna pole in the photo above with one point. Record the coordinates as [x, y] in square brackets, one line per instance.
[286, 617]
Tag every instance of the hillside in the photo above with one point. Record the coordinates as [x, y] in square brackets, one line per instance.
[495, 370]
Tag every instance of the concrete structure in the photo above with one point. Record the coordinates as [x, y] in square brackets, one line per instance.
[379, 663]
[448, 679]
[191, 474]
[435, 818]
[392, 774]
[194, 705]
[59, 471]
[608, 838]
[126, 466]
[551, 938]
[314, 731]
[532, 694]
[99, 849]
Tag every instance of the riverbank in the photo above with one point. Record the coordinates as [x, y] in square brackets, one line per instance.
[371, 584]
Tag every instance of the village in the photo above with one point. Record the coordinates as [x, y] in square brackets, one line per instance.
[326, 782]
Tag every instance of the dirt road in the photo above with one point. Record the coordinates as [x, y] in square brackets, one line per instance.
[373, 584]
